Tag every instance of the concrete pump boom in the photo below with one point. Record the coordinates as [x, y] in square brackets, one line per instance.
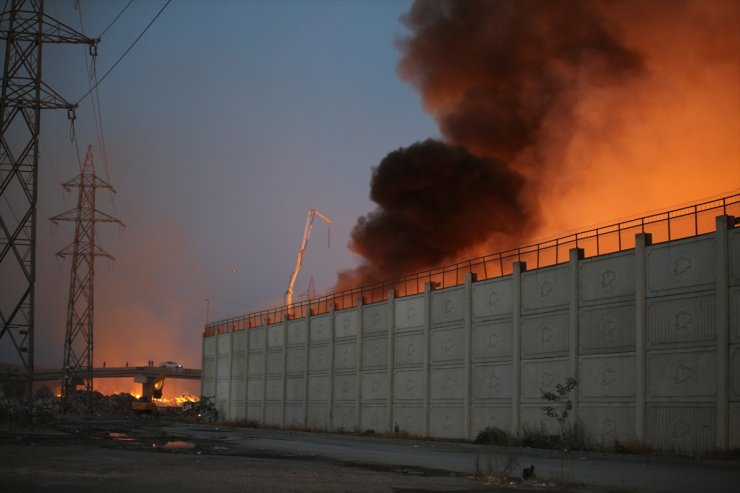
[306, 234]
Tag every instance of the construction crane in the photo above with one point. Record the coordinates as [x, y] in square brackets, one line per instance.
[306, 234]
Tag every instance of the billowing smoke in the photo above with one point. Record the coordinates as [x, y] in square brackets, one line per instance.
[434, 201]
[502, 79]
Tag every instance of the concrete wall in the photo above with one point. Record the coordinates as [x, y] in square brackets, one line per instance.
[651, 334]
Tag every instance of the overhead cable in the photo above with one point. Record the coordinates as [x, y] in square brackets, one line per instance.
[124, 53]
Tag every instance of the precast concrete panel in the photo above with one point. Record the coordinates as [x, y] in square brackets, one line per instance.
[274, 415]
[222, 406]
[687, 427]
[375, 318]
[492, 340]
[345, 356]
[295, 389]
[237, 390]
[275, 362]
[492, 298]
[294, 415]
[254, 412]
[238, 363]
[274, 389]
[374, 386]
[223, 369]
[733, 236]
[447, 383]
[606, 329]
[540, 376]
[410, 419]
[681, 265]
[209, 370]
[446, 421]
[408, 385]
[275, 336]
[490, 416]
[409, 312]
[346, 323]
[209, 347]
[318, 358]
[533, 418]
[318, 388]
[224, 344]
[607, 377]
[409, 349]
[545, 335]
[448, 306]
[240, 341]
[318, 417]
[447, 345]
[545, 288]
[209, 389]
[320, 328]
[608, 423]
[238, 412]
[374, 353]
[734, 314]
[344, 418]
[735, 372]
[492, 381]
[374, 418]
[682, 374]
[255, 390]
[296, 360]
[256, 364]
[734, 428]
[345, 387]
[297, 330]
[222, 390]
[256, 339]
[681, 321]
[604, 279]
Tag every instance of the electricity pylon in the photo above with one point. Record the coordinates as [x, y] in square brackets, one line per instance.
[25, 27]
[78, 340]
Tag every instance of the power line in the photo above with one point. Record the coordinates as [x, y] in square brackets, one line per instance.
[124, 53]
[114, 20]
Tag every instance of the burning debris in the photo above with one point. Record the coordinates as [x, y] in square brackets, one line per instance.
[502, 79]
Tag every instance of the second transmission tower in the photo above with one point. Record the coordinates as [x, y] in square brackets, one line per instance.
[78, 340]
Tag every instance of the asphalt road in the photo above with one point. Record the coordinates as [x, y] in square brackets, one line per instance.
[133, 455]
[611, 472]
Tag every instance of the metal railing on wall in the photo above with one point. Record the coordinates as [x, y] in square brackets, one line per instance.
[684, 222]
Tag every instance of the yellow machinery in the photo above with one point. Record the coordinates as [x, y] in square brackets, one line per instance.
[150, 390]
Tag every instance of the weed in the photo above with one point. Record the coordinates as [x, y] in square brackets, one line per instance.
[494, 436]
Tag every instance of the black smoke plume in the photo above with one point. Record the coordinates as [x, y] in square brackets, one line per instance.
[501, 79]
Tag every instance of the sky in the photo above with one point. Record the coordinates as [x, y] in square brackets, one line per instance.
[229, 120]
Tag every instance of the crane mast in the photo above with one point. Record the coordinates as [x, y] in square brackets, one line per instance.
[302, 250]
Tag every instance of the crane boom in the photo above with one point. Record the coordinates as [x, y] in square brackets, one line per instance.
[302, 250]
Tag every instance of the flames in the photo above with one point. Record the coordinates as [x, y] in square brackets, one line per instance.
[177, 400]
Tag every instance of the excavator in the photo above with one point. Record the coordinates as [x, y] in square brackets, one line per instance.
[145, 403]
[302, 250]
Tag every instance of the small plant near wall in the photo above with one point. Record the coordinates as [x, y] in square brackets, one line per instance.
[561, 406]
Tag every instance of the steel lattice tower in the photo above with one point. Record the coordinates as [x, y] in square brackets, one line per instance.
[78, 340]
[25, 27]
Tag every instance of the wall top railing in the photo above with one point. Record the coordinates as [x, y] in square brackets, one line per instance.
[682, 222]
